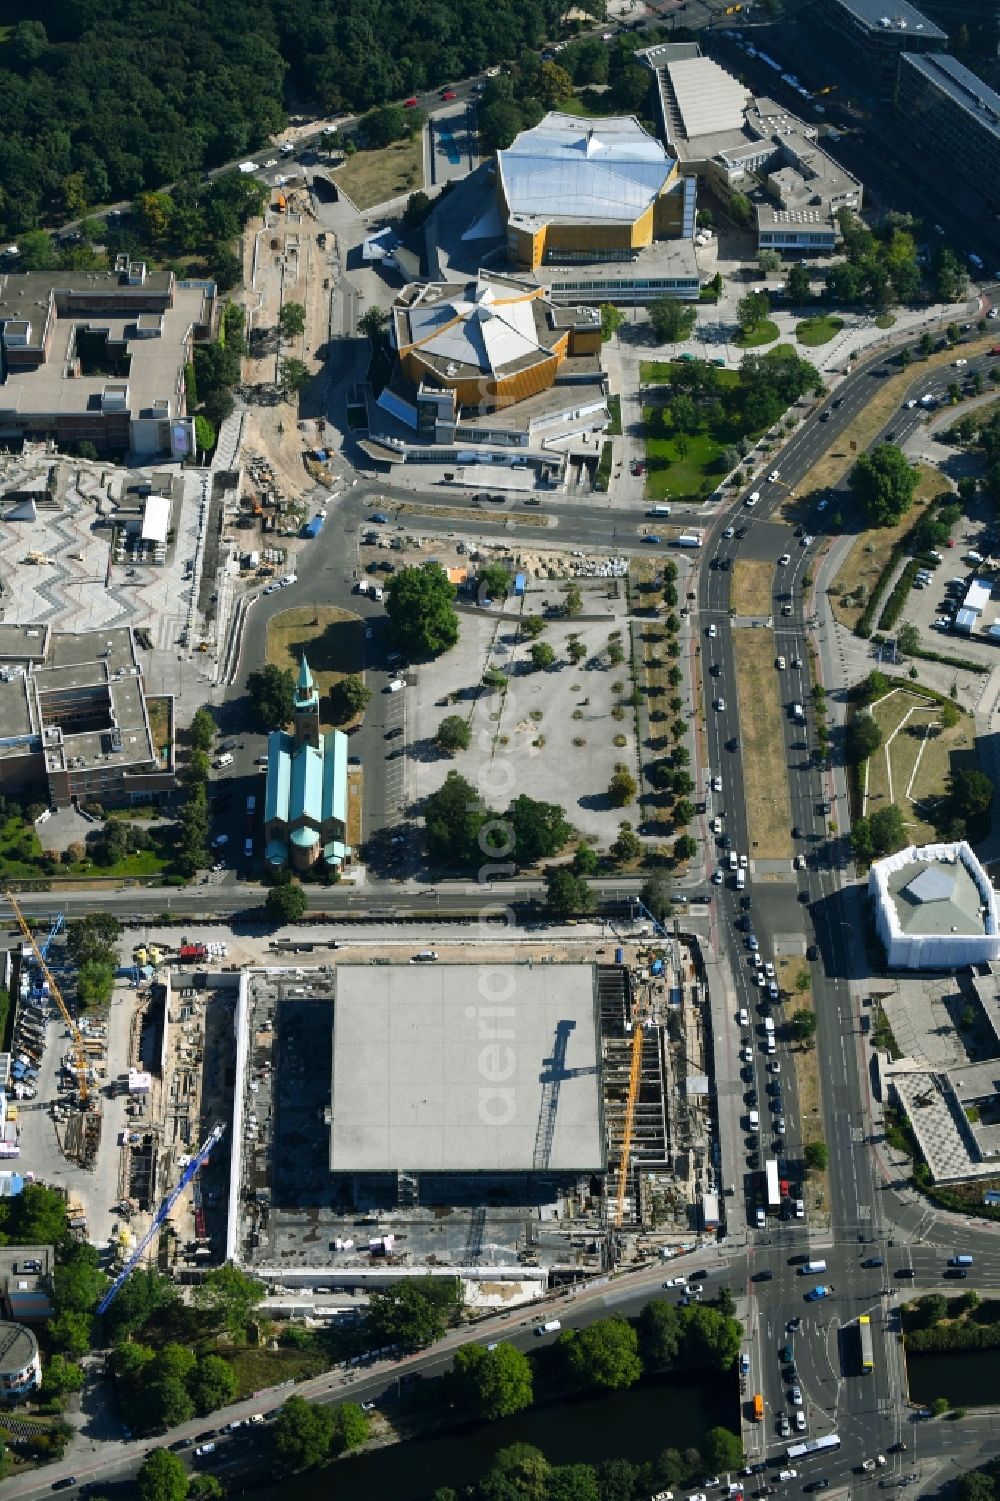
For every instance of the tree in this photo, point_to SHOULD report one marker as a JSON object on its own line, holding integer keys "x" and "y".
{"x": 816, "y": 1156}
{"x": 202, "y": 730}
{"x": 573, "y": 1482}
{"x": 349, "y": 697}
{"x": 542, "y": 656}
{"x": 373, "y": 322}
{"x": 408, "y": 1314}
{"x": 78, "y": 1283}
{"x": 798, "y": 287}
{"x": 768, "y": 261}
{"x": 721, "y": 1450}
{"x": 72, "y": 1332}
{"x": 204, "y": 434}
{"x": 60, "y": 1376}
{"x": 740, "y": 209}
{"x": 491, "y": 1384}
{"x": 453, "y": 734}
{"x": 213, "y": 1384}
{"x": 349, "y": 1428}
{"x": 573, "y": 600}
{"x": 292, "y": 320}
{"x": 604, "y": 1354}
{"x": 566, "y": 893}
{"x": 162, "y": 1477}
{"x": 660, "y": 1334}
{"x": 539, "y": 829}
{"x": 519, "y": 1472}
{"x": 493, "y": 581}
{"x": 612, "y": 319}
{"x": 655, "y": 895}
{"x": 751, "y": 310}
{"x": 421, "y": 610}
{"x": 627, "y": 847}
{"x": 454, "y": 817}
{"x": 804, "y": 1025}
{"x": 672, "y": 321}
{"x": 940, "y": 1406}
{"x": 863, "y": 739}
{"x": 683, "y": 812}
{"x": 302, "y": 1433}
{"x": 286, "y": 903}
{"x": 907, "y": 639}
{"x": 709, "y": 1339}
{"x": 226, "y": 1291}
{"x": 532, "y": 626}
{"x": 971, "y": 793}
{"x": 272, "y": 696}
{"x": 621, "y": 788}
{"x": 888, "y": 831}
{"x": 575, "y": 650}
{"x": 685, "y": 848}
{"x": 294, "y": 376}
{"x": 884, "y": 482}
{"x": 94, "y": 937}
{"x": 975, "y": 1486}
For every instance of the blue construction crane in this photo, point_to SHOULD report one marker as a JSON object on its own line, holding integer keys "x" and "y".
{"x": 55, "y": 929}
{"x": 194, "y": 1166}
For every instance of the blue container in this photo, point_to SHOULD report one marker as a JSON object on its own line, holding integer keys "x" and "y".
{"x": 619, "y": 956}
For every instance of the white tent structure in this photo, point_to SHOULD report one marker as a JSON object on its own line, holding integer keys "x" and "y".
{"x": 935, "y": 908}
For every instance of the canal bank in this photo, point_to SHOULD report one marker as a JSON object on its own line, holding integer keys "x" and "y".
{"x": 660, "y": 1412}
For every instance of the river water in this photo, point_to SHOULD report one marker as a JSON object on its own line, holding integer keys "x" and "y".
{"x": 659, "y": 1413}
{"x": 968, "y": 1378}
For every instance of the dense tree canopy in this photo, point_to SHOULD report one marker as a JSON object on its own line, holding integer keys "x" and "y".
{"x": 884, "y": 482}
{"x": 419, "y": 606}
{"x": 492, "y": 1384}
{"x": 106, "y": 98}
{"x": 604, "y": 1354}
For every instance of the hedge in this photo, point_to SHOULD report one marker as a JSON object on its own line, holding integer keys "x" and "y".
{"x": 603, "y": 477}
{"x": 896, "y": 602}
{"x": 955, "y": 1336}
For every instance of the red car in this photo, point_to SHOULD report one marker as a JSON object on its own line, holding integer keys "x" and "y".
{"x": 410, "y": 103}
{"x": 448, "y": 94}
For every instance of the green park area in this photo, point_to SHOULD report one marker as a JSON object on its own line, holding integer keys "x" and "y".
{"x": 818, "y": 330}
{"x": 758, "y": 334}
{"x": 700, "y": 421}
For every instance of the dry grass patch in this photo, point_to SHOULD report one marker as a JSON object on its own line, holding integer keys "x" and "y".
{"x": 752, "y": 587}
{"x": 460, "y": 513}
{"x": 332, "y": 639}
{"x": 912, "y": 765}
{"x": 355, "y": 784}
{"x": 371, "y": 177}
{"x": 868, "y": 557}
{"x": 765, "y": 777}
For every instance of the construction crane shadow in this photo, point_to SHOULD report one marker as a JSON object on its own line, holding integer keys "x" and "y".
{"x": 553, "y": 1073}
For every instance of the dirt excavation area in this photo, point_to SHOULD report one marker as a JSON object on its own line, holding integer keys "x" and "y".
{"x": 286, "y": 260}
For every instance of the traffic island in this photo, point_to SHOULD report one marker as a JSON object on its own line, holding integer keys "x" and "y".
{"x": 765, "y": 775}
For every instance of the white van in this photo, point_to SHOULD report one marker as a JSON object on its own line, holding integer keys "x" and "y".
{"x": 755, "y": 1120}
{"x": 734, "y": 860}
{"x": 741, "y": 879}
{"x": 549, "y": 1327}
{"x": 812, "y": 1267}
{"x": 226, "y": 759}
{"x": 396, "y": 686}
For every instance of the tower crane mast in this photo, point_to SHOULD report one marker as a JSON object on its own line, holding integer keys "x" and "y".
{"x": 79, "y": 1052}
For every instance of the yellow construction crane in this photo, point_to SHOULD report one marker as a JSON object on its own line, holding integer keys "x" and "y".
{"x": 79, "y": 1051}
{"x": 635, "y": 1073}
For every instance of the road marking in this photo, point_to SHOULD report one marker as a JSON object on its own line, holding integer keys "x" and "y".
{"x": 857, "y": 1133}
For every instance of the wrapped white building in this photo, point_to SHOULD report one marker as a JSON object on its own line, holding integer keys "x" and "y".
{"x": 935, "y": 908}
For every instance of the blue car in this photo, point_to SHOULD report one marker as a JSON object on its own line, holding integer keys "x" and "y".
{"x": 650, "y": 537}
{"x": 378, "y": 518}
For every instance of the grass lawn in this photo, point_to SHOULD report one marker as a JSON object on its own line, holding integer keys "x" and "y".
{"x": 574, "y": 105}
{"x": 256, "y": 1369}
{"x": 670, "y": 473}
{"x": 818, "y": 330}
{"x": 764, "y": 332}
{"x": 885, "y": 320}
{"x": 661, "y": 371}
{"x": 21, "y": 850}
{"x": 765, "y": 776}
{"x": 868, "y": 557}
{"x": 912, "y": 765}
{"x": 332, "y": 639}
{"x": 371, "y": 177}
{"x": 615, "y": 410}
{"x": 752, "y": 587}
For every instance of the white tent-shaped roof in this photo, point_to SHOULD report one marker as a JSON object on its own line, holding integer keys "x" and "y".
{"x": 567, "y": 169}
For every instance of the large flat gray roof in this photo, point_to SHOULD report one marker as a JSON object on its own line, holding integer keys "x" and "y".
{"x": 447, "y": 1068}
